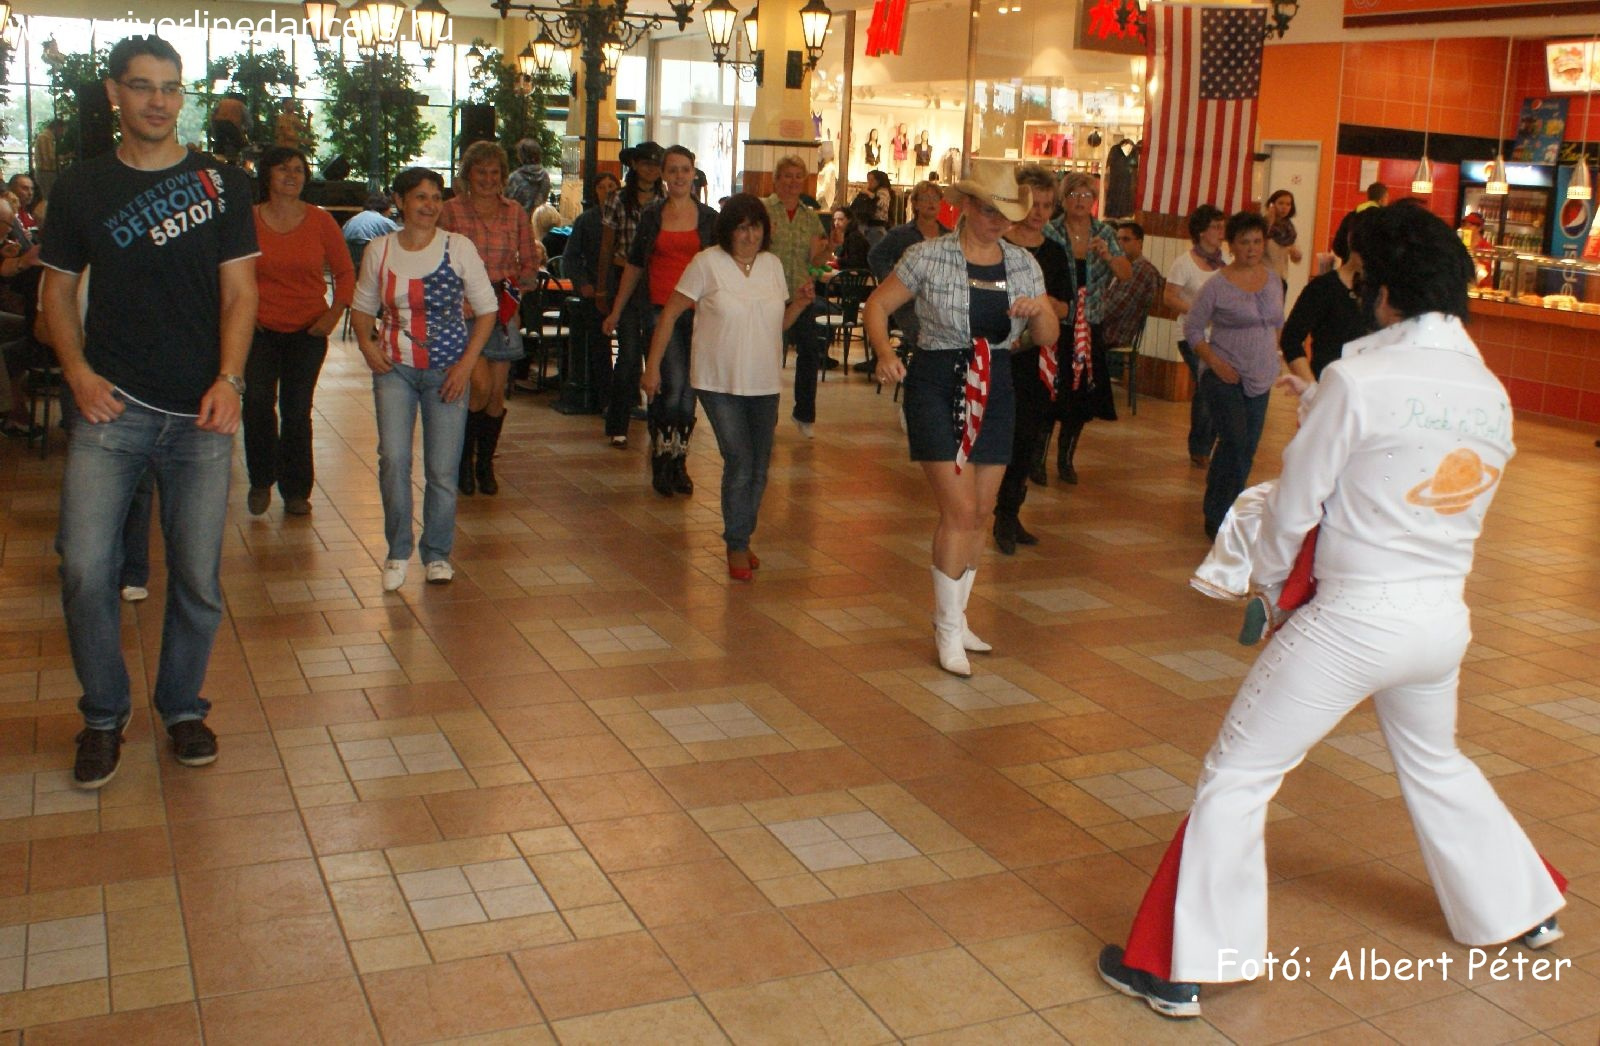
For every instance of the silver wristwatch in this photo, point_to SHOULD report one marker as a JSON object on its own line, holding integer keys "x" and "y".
{"x": 234, "y": 380}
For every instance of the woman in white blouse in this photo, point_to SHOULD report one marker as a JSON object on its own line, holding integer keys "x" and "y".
{"x": 738, "y": 291}
{"x": 421, "y": 361}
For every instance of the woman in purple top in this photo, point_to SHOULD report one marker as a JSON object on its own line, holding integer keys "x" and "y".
{"x": 1233, "y": 328}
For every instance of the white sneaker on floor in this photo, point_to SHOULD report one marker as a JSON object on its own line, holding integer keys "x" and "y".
{"x": 804, "y": 428}
{"x": 440, "y": 572}
{"x": 394, "y": 574}
{"x": 135, "y": 593}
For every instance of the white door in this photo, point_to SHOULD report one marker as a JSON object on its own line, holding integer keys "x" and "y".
{"x": 1294, "y": 166}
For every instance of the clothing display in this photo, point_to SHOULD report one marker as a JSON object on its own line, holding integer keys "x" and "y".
{"x": 924, "y": 150}
{"x": 1122, "y": 174}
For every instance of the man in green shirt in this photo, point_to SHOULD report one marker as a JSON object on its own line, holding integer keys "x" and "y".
{"x": 800, "y": 240}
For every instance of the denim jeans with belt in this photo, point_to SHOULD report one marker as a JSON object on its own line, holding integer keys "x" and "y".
{"x": 105, "y": 463}
{"x": 280, "y": 378}
{"x": 1238, "y": 418}
{"x": 743, "y": 426}
{"x": 400, "y": 394}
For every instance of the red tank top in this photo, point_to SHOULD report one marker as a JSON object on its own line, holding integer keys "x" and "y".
{"x": 672, "y": 254}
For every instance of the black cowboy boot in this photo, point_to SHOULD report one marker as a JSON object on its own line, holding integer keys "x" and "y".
{"x": 488, "y": 440}
{"x": 466, "y": 480}
{"x": 1070, "y": 431}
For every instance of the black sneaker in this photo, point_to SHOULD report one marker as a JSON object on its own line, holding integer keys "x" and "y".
{"x": 1168, "y": 998}
{"x": 1543, "y": 935}
{"x": 193, "y": 742}
{"x": 99, "y": 755}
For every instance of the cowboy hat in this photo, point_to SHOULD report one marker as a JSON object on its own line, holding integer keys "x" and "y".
{"x": 994, "y": 185}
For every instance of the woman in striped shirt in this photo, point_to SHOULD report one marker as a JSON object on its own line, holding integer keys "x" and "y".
{"x": 421, "y": 355}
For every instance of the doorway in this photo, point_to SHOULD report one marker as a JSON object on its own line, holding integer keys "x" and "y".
{"x": 1296, "y": 166}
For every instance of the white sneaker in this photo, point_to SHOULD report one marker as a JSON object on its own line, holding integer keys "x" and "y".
{"x": 394, "y": 574}
{"x": 804, "y": 427}
{"x": 440, "y": 572}
{"x": 135, "y": 593}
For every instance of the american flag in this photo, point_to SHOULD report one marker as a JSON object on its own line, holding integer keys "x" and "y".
{"x": 1200, "y": 118}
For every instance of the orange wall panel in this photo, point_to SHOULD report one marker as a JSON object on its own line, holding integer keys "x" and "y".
{"x": 1300, "y": 102}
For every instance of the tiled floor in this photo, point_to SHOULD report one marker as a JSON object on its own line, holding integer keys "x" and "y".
{"x": 594, "y": 792}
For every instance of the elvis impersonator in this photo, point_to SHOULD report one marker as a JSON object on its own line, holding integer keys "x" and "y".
{"x": 1397, "y": 460}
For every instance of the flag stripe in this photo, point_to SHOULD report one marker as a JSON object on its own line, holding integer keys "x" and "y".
{"x": 1200, "y": 124}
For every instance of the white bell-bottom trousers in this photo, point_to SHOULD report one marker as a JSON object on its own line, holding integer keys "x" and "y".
{"x": 1401, "y": 643}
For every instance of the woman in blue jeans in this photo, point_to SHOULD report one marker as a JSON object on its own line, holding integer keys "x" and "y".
{"x": 738, "y": 291}
{"x": 1233, "y": 329}
{"x": 421, "y": 354}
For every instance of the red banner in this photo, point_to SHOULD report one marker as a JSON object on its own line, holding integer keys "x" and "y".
{"x": 886, "y": 31}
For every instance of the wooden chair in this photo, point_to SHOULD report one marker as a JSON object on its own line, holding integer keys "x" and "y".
{"x": 1124, "y": 359}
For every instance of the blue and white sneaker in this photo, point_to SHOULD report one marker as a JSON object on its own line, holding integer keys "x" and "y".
{"x": 1168, "y": 998}
{"x": 1543, "y": 935}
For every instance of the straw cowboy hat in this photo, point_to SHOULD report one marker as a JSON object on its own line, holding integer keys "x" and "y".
{"x": 994, "y": 185}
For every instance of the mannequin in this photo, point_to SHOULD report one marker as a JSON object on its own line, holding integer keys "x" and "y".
{"x": 900, "y": 144}
{"x": 923, "y": 154}
{"x": 873, "y": 150}
{"x": 1122, "y": 173}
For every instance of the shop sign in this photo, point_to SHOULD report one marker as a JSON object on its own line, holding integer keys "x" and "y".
{"x": 1572, "y": 66}
{"x": 1540, "y": 130}
{"x": 1400, "y": 12}
{"x": 886, "y": 31}
{"x": 1110, "y": 25}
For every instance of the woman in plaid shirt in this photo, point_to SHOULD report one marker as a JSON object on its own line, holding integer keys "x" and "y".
{"x": 498, "y": 227}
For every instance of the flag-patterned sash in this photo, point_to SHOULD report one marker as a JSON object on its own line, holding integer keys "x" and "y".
{"x": 1049, "y": 368}
{"x": 1081, "y": 342}
{"x": 971, "y": 398}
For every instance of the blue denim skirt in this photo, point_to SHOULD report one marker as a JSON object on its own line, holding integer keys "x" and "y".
{"x": 504, "y": 344}
{"x": 932, "y": 384}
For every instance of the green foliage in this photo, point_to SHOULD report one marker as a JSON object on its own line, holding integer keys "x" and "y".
{"x": 265, "y": 80}
{"x": 518, "y": 111}
{"x": 401, "y": 128}
{"x": 66, "y": 76}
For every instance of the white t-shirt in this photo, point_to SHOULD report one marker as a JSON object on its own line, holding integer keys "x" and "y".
{"x": 1186, "y": 273}
{"x": 738, "y": 323}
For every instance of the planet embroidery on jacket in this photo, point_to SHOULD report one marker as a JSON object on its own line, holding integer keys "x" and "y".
{"x": 1459, "y": 480}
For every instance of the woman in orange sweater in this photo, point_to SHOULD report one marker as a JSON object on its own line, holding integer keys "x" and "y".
{"x": 298, "y": 242}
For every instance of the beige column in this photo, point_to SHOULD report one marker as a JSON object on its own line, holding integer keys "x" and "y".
{"x": 780, "y": 124}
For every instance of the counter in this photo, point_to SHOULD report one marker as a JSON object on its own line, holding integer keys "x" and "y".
{"x": 1549, "y": 359}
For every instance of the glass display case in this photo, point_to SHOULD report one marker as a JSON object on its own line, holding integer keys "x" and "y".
{"x": 1537, "y": 281}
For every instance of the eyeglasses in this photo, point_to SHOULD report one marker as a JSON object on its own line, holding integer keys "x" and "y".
{"x": 1080, "y": 195}
{"x": 146, "y": 89}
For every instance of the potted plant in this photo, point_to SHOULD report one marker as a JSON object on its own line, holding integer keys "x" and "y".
{"x": 383, "y": 80}
{"x": 520, "y": 109}
{"x": 266, "y": 82}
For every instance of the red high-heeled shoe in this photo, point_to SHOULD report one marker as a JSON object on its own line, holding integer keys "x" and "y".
{"x": 738, "y": 573}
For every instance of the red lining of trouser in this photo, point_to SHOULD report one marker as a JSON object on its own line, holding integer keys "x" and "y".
{"x": 1150, "y": 940}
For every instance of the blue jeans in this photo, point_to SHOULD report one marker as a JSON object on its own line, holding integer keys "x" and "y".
{"x": 399, "y": 395}
{"x": 105, "y": 464}
{"x": 1202, "y": 432}
{"x": 1238, "y": 418}
{"x": 672, "y": 407}
{"x": 136, "y": 534}
{"x": 808, "y": 349}
{"x": 743, "y": 426}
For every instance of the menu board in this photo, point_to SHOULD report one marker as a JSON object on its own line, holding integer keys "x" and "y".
{"x": 1573, "y": 66}
{"x": 1540, "y": 128}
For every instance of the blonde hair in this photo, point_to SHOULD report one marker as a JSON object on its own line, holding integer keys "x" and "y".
{"x": 1077, "y": 180}
{"x": 483, "y": 152}
{"x": 786, "y": 162}
{"x": 545, "y": 218}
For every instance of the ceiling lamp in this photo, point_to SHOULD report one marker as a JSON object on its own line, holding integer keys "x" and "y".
{"x": 386, "y": 16}
{"x": 427, "y": 24}
{"x": 814, "y": 19}
{"x": 320, "y": 16}
{"x": 1495, "y": 182}
{"x": 366, "y": 28}
{"x": 1422, "y": 181}
{"x": 1582, "y": 187}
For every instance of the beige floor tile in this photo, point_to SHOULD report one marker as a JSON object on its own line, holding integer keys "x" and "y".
{"x": 682, "y": 1022}
{"x": 935, "y": 991}
{"x": 799, "y": 1010}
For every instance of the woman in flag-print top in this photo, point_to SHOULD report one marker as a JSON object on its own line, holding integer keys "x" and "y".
{"x": 421, "y": 352}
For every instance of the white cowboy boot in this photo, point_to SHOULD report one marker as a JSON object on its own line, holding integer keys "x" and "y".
{"x": 968, "y": 640}
{"x": 948, "y": 602}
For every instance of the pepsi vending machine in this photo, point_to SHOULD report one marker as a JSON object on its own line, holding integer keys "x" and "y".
{"x": 1573, "y": 218}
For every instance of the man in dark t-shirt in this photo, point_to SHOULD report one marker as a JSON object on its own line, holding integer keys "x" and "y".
{"x": 155, "y": 371}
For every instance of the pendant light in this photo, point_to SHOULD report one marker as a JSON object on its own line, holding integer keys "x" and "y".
{"x": 1495, "y": 182}
{"x": 1581, "y": 187}
{"x": 1422, "y": 181}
